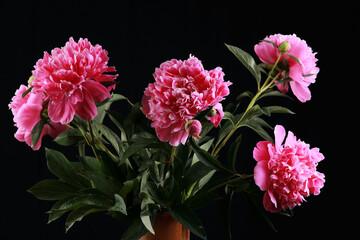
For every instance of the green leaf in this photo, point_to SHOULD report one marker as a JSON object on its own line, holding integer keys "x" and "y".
{"x": 118, "y": 119}
{"x": 271, "y": 42}
{"x": 230, "y": 117}
{"x": 247, "y": 60}
{"x": 51, "y": 189}
{"x": 145, "y": 218}
{"x": 69, "y": 137}
{"x": 260, "y": 212}
{"x": 78, "y": 214}
{"x": 206, "y": 157}
{"x": 232, "y": 156}
{"x": 273, "y": 93}
{"x": 36, "y": 131}
{"x": 199, "y": 116}
{"x": 64, "y": 169}
{"x": 29, "y": 89}
{"x": 54, "y": 213}
{"x": 98, "y": 200}
{"x": 257, "y": 127}
{"x": 186, "y": 217}
{"x": 140, "y": 142}
{"x": 135, "y": 231}
{"x": 227, "y": 211}
{"x": 201, "y": 199}
{"x": 103, "y": 183}
{"x": 295, "y": 58}
{"x": 197, "y": 171}
{"x": 277, "y": 109}
{"x": 110, "y": 135}
{"x": 244, "y": 95}
{"x": 90, "y": 164}
{"x": 119, "y": 206}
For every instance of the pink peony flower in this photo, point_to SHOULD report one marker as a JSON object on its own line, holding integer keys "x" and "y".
{"x": 27, "y": 113}
{"x": 71, "y": 79}
{"x": 193, "y": 128}
{"x": 181, "y": 90}
{"x": 286, "y": 172}
{"x": 303, "y": 75}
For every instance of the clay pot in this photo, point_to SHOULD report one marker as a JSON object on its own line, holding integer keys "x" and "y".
{"x": 167, "y": 228}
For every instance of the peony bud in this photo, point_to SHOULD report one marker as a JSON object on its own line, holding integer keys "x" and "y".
{"x": 284, "y": 47}
{"x": 212, "y": 112}
{"x": 193, "y": 128}
{"x": 31, "y": 79}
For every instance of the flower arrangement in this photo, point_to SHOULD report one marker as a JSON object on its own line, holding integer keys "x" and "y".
{"x": 167, "y": 155}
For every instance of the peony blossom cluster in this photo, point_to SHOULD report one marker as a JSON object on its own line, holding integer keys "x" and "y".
{"x": 287, "y": 172}
{"x": 181, "y": 90}
{"x": 27, "y": 113}
{"x": 71, "y": 78}
{"x": 64, "y": 83}
{"x": 302, "y": 74}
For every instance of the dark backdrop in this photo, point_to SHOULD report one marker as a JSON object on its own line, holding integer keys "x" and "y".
{"x": 141, "y": 35}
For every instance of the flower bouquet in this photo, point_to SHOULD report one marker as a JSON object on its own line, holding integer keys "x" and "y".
{"x": 177, "y": 149}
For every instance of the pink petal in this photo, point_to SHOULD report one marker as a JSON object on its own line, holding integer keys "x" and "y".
{"x": 270, "y": 202}
{"x": 28, "y": 115}
{"x": 279, "y": 136}
{"x": 218, "y": 116}
{"x": 98, "y": 91}
{"x": 60, "y": 110}
{"x": 87, "y": 108}
{"x": 290, "y": 139}
{"x": 301, "y": 91}
{"x": 262, "y": 175}
{"x": 260, "y": 152}
{"x": 176, "y": 138}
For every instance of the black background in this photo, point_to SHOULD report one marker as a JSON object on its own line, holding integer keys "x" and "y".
{"x": 139, "y": 36}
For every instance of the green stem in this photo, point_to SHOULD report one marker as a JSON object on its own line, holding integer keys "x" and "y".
{"x": 241, "y": 177}
{"x": 92, "y": 142}
{"x": 263, "y": 88}
{"x": 100, "y": 143}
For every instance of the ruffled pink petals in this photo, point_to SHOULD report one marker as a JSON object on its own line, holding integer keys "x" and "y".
{"x": 303, "y": 75}
{"x": 27, "y": 112}
{"x": 71, "y": 77}
{"x": 181, "y": 90}
{"x": 286, "y": 172}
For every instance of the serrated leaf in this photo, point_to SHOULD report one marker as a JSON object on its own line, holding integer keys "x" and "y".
{"x": 247, "y": 60}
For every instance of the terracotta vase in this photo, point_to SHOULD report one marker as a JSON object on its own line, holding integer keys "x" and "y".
{"x": 167, "y": 228}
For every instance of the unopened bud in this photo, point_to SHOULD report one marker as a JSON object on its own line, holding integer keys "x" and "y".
{"x": 193, "y": 128}
{"x": 284, "y": 47}
{"x": 212, "y": 112}
{"x": 31, "y": 79}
